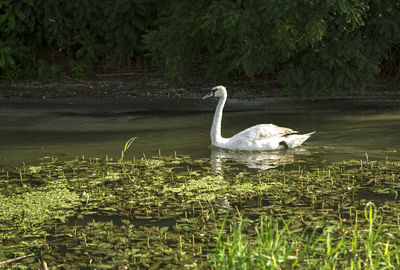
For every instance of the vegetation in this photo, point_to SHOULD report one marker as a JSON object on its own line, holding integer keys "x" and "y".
{"x": 312, "y": 47}
{"x": 41, "y": 37}
{"x": 172, "y": 211}
{"x": 279, "y": 247}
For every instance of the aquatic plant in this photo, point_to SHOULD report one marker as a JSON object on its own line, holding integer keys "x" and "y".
{"x": 126, "y": 147}
{"x": 167, "y": 211}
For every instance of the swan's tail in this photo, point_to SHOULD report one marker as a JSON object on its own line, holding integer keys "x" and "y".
{"x": 295, "y": 140}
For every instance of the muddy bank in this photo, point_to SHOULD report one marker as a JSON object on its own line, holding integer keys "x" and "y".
{"x": 111, "y": 105}
{"x": 138, "y": 92}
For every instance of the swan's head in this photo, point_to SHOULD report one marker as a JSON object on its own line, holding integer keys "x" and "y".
{"x": 217, "y": 91}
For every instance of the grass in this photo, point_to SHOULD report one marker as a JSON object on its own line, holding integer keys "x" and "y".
{"x": 276, "y": 246}
{"x": 126, "y": 147}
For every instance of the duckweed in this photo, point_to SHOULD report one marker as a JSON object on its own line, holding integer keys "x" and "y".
{"x": 168, "y": 211}
{"x": 37, "y": 206}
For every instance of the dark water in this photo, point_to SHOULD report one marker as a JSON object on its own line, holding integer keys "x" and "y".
{"x": 27, "y": 135}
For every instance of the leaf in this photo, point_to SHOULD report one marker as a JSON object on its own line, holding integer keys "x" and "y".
{"x": 3, "y": 18}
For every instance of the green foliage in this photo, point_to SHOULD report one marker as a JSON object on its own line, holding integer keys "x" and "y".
{"x": 173, "y": 47}
{"x": 315, "y": 47}
{"x": 62, "y": 31}
{"x": 126, "y": 147}
{"x": 17, "y": 37}
{"x": 78, "y": 70}
{"x": 280, "y": 247}
{"x": 47, "y": 71}
{"x": 312, "y": 47}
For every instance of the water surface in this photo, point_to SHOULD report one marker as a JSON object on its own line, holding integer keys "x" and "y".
{"x": 27, "y": 135}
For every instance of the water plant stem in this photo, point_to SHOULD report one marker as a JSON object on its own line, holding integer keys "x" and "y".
{"x": 17, "y": 258}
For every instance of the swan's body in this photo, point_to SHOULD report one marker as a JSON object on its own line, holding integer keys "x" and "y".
{"x": 255, "y": 138}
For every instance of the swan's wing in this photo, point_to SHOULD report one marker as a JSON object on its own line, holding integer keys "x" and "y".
{"x": 263, "y": 131}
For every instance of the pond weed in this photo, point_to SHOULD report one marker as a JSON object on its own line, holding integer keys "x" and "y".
{"x": 165, "y": 211}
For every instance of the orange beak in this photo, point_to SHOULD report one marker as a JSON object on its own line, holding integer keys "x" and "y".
{"x": 209, "y": 95}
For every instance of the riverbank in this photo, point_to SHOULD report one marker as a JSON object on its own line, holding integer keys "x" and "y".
{"x": 139, "y": 92}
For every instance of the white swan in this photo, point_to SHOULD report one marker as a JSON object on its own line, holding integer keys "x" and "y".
{"x": 256, "y": 138}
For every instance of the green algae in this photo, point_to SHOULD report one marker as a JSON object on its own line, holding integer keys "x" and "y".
{"x": 202, "y": 189}
{"x": 37, "y": 206}
{"x": 165, "y": 212}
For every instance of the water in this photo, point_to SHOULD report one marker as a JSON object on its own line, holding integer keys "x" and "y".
{"x": 26, "y": 135}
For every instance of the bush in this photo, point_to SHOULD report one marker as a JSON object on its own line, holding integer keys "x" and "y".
{"x": 312, "y": 47}
{"x": 69, "y": 31}
{"x": 18, "y": 37}
{"x": 315, "y": 47}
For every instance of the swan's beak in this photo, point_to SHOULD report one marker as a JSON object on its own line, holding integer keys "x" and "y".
{"x": 209, "y": 95}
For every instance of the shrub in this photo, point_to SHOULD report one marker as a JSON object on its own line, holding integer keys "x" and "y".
{"x": 59, "y": 30}
{"x": 315, "y": 47}
{"x": 312, "y": 47}
{"x": 18, "y": 37}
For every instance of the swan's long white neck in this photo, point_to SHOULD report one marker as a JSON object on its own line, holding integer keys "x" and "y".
{"x": 216, "y": 126}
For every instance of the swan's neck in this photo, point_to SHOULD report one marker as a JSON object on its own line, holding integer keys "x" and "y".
{"x": 216, "y": 126}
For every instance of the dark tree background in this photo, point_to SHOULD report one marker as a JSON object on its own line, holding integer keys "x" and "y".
{"x": 312, "y": 47}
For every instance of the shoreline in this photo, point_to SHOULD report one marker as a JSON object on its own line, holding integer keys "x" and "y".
{"x": 127, "y": 94}
{"x": 110, "y": 105}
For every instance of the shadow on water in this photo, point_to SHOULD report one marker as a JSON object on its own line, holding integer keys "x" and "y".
{"x": 369, "y": 195}
{"x": 119, "y": 220}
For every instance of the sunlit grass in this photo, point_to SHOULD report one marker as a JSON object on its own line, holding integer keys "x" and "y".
{"x": 126, "y": 147}
{"x": 372, "y": 245}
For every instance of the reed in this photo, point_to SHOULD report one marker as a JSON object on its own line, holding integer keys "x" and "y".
{"x": 126, "y": 147}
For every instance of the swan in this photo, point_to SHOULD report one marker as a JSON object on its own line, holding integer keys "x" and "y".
{"x": 256, "y": 138}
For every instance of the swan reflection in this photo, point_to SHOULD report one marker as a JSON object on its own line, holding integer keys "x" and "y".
{"x": 255, "y": 160}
